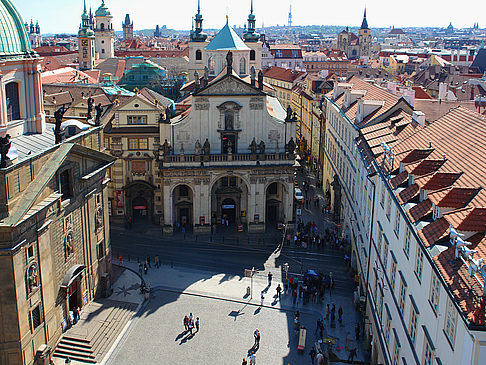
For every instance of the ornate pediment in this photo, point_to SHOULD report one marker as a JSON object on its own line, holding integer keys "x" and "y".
{"x": 229, "y": 86}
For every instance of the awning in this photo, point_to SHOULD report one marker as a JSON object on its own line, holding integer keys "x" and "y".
{"x": 71, "y": 275}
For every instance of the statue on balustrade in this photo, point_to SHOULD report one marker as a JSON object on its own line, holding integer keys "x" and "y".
{"x": 207, "y": 147}
{"x": 253, "y": 146}
{"x": 166, "y": 148}
{"x": 291, "y": 147}
{"x": 197, "y": 148}
{"x": 261, "y": 146}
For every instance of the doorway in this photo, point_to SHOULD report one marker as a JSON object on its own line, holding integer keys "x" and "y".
{"x": 228, "y": 210}
{"x": 139, "y": 209}
{"x": 73, "y": 295}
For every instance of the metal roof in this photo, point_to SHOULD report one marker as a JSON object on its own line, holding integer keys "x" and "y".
{"x": 227, "y": 40}
{"x": 14, "y": 40}
{"x": 31, "y": 144}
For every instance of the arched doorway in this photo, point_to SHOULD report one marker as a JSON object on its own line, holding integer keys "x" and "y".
{"x": 182, "y": 200}
{"x": 275, "y": 203}
{"x": 139, "y": 196}
{"x": 139, "y": 209}
{"x": 229, "y": 200}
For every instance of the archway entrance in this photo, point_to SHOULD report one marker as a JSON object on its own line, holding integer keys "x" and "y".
{"x": 275, "y": 203}
{"x": 228, "y": 210}
{"x": 182, "y": 200}
{"x": 139, "y": 209}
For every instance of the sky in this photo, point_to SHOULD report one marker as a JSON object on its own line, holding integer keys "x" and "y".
{"x": 64, "y": 16}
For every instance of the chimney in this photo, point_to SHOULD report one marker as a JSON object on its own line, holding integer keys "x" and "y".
{"x": 418, "y": 117}
{"x": 443, "y": 88}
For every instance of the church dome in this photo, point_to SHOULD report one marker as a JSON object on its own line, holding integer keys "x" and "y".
{"x": 102, "y": 10}
{"x": 14, "y": 41}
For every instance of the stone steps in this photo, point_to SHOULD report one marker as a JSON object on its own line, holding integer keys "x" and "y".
{"x": 95, "y": 347}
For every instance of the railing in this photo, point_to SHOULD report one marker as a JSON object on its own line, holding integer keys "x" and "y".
{"x": 227, "y": 157}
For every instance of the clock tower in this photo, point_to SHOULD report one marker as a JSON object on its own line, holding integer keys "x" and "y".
{"x": 86, "y": 43}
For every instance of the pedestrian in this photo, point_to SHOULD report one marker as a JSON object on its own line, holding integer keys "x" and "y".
{"x": 327, "y": 312}
{"x": 312, "y": 354}
{"x": 261, "y": 298}
{"x": 148, "y": 262}
{"x": 191, "y": 325}
{"x": 140, "y": 268}
{"x": 145, "y": 268}
{"x": 156, "y": 262}
{"x": 252, "y": 359}
{"x": 340, "y": 314}
{"x": 296, "y": 325}
{"x": 320, "y": 358}
{"x": 352, "y": 354}
{"x": 256, "y": 334}
{"x": 294, "y": 294}
{"x": 244, "y": 362}
{"x": 318, "y": 325}
{"x": 333, "y": 313}
{"x": 279, "y": 291}
{"x": 270, "y": 278}
{"x": 120, "y": 260}
{"x": 321, "y": 330}
{"x": 186, "y": 323}
{"x": 357, "y": 331}
{"x": 191, "y": 317}
{"x": 75, "y": 315}
{"x": 197, "y": 324}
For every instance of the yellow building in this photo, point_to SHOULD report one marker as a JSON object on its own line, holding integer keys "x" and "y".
{"x": 283, "y": 80}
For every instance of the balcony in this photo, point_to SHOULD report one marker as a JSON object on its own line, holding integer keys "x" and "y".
{"x": 220, "y": 160}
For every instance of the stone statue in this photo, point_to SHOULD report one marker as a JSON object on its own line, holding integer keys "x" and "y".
{"x": 182, "y": 149}
{"x": 58, "y": 115}
{"x": 166, "y": 148}
{"x": 229, "y": 63}
{"x": 260, "y": 80}
{"x": 261, "y": 146}
{"x": 33, "y": 277}
{"x": 253, "y": 146}
{"x": 168, "y": 113}
{"x": 90, "y": 108}
{"x": 4, "y": 148}
{"x": 291, "y": 146}
{"x": 197, "y": 82}
{"x": 206, "y": 75}
{"x": 207, "y": 147}
{"x": 99, "y": 111}
{"x": 288, "y": 118}
{"x": 252, "y": 75}
{"x": 197, "y": 148}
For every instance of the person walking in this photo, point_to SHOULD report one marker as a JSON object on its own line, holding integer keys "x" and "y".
{"x": 312, "y": 354}
{"x": 327, "y": 312}
{"x": 270, "y": 278}
{"x": 140, "y": 268}
{"x": 191, "y": 325}
{"x": 186, "y": 323}
{"x": 256, "y": 334}
{"x": 320, "y": 358}
{"x": 261, "y": 299}
{"x": 145, "y": 268}
{"x": 244, "y": 362}
{"x": 333, "y": 314}
{"x": 279, "y": 291}
{"x": 156, "y": 261}
{"x": 197, "y": 324}
{"x": 252, "y": 359}
{"x": 340, "y": 314}
{"x": 148, "y": 262}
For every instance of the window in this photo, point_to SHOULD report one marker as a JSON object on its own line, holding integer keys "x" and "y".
{"x": 35, "y": 319}
{"x": 211, "y": 65}
{"x": 412, "y": 328}
{"x": 252, "y": 55}
{"x": 428, "y": 352}
{"x": 434, "y": 293}
{"x": 385, "y": 254}
{"x": 228, "y": 181}
{"x": 419, "y": 260}
{"x": 137, "y": 143}
{"x": 380, "y": 239}
{"x": 136, "y": 119}
{"x": 397, "y": 222}
{"x": 380, "y": 303}
{"x": 65, "y": 184}
{"x": 198, "y": 55}
{"x": 279, "y": 53}
{"x": 100, "y": 249}
{"x": 13, "y": 101}
{"x": 393, "y": 273}
{"x": 30, "y": 252}
{"x": 450, "y": 322}
{"x": 386, "y": 330}
{"x": 406, "y": 245}
{"x": 102, "y": 50}
{"x": 388, "y": 207}
{"x": 403, "y": 292}
{"x": 396, "y": 350}
{"x": 183, "y": 190}
{"x": 272, "y": 189}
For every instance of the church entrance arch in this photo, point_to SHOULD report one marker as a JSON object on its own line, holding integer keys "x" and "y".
{"x": 275, "y": 203}
{"x": 182, "y": 200}
{"x": 140, "y": 199}
{"x": 229, "y": 200}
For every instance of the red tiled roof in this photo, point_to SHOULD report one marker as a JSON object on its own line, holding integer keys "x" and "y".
{"x": 408, "y": 193}
{"x": 454, "y": 197}
{"x": 468, "y": 220}
{"x": 416, "y": 155}
{"x": 399, "y": 179}
{"x": 426, "y": 167}
{"x": 441, "y": 180}
{"x": 282, "y": 74}
{"x": 419, "y": 211}
{"x": 434, "y": 231}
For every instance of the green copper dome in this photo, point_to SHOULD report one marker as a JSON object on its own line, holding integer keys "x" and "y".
{"x": 14, "y": 41}
{"x": 102, "y": 10}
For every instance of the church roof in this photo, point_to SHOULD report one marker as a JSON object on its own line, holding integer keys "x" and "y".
{"x": 14, "y": 40}
{"x": 364, "y": 24}
{"x": 227, "y": 40}
{"x": 102, "y": 10}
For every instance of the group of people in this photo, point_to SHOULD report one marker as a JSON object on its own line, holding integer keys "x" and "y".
{"x": 143, "y": 268}
{"x": 190, "y": 323}
{"x": 306, "y": 236}
{"x": 253, "y": 350}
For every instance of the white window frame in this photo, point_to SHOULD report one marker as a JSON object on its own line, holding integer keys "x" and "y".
{"x": 419, "y": 263}
{"x": 450, "y": 322}
{"x": 434, "y": 293}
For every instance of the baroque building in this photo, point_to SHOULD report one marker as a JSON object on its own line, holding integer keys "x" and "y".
{"x": 86, "y": 43}
{"x": 228, "y": 154}
{"x": 104, "y": 33}
{"x": 54, "y": 230}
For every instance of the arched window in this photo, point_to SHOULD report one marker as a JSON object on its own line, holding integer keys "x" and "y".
{"x": 198, "y": 55}
{"x": 102, "y": 26}
{"x": 13, "y": 102}
{"x": 229, "y": 120}
{"x": 211, "y": 65}
{"x": 242, "y": 66}
{"x": 252, "y": 55}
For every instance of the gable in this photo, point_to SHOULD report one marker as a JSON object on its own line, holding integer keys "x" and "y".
{"x": 142, "y": 105}
{"x": 229, "y": 85}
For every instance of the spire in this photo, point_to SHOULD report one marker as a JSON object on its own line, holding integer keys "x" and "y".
{"x": 364, "y": 24}
{"x": 198, "y": 7}
{"x": 84, "y": 11}
{"x": 251, "y": 7}
{"x": 197, "y": 34}
{"x": 250, "y": 34}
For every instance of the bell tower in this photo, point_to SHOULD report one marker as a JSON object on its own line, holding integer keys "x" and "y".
{"x": 104, "y": 32}
{"x": 197, "y": 43}
{"x": 86, "y": 43}
{"x": 364, "y": 38}
{"x": 252, "y": 40}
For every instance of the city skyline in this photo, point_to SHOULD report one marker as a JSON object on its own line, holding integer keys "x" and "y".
{"x": 266, "y": 13}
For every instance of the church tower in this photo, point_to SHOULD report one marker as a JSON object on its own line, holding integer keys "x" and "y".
{"x": 364, "y": 38}
{"x": 104, "y": 33}
{"x": 252, "y": 40}
{"x": 197, "y": 43}
{"x": 86, "y": 43}
{"x": 127, "y": 28}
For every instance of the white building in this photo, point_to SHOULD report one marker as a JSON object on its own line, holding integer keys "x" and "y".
{"x": 104, "y": 33}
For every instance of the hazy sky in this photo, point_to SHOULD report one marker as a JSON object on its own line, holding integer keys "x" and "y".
{"x": 57, "y": 16}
